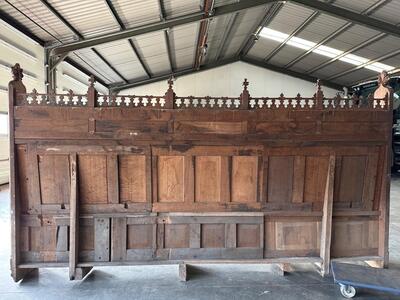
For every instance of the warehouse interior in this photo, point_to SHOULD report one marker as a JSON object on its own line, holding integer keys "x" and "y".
{"x": 202, "y": 48}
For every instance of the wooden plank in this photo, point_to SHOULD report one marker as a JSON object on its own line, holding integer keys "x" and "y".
{"x": 298, "y": 179}
{"x": 326, "y": 230}
{"x": 189, "y": 186}
{"x": 195, "y": 235}
{"x": 280, "y": 178}
{"x": 230, "y": 235}
{"x": 62, "y": 238}
{"x": 74, "y": 220}
{"x": 34, "y": 195}
{"x": 118, "y": 239}
{"x": 112, "y": 179}
{"x": 244, "y": 179}
{"x": 133, "y": 180}
{"x": 102, "y": 239}
{"x": 92, "y": 179}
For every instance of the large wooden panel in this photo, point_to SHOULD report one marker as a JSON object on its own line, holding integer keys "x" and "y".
{"x": 280, "y": 179}
{"x": 170, "y": 178}
{"x": 132, "y": 178}
{"x": 351, "y": 180}
{"x": 315, "y": 179}
{"x": 212, "y": 235}
{"x": 291, "y": 237}
{"x": 54, "y": 178}
{"x": 244, "y": 178}
{"x": 248, "y": 235}
{"x": 208, "y": 178}
{"x": 92, "y": 178}
{"x": 354, "y": 237}
{"x": 176, "y": 236}
{"x": 140, "y": 236}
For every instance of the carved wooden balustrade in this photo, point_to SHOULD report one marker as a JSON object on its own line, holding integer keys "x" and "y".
{"x": 134, "y": 179}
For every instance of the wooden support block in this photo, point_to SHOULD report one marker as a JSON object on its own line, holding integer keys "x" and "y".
{"x": 80, "y": 273}
{"x": 281, "y": 269}
{"x": 375, "y": 263}
{"x": 183, "y": 272}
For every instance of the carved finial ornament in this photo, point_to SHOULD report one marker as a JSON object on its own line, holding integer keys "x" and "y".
{"x": 92, "y": 80}
{"x": 383, "y": 78}
{"x": 171, "y": 81}
{"x": 17, "y": 72}
{"x": 245, "y": 84}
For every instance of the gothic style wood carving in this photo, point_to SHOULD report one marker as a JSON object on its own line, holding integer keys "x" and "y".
{"x": 126, "y": 179}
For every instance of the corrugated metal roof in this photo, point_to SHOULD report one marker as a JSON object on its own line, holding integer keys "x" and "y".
{"x": 93, "y": 17}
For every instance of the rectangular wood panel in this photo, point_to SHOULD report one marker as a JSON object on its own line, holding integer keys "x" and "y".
{"x": 315, "y": 179}
{"x": 208, "y": 179}
{"x": 351, "y": 180}
{"x": 54, "y": 179}
{"x": 140, "y": 236}
{"x": 92, "y": 178}
{"x": 244, "y": 178}
{"x": 280, "y": 179}
{"x": 212, "y": 235}
{"x": 176, "y": 236}
{"x": 132, "y": 178}
{"x": 170, "y": 178}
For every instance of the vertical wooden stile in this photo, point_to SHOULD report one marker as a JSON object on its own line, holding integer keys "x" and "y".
{"x": 326, "y": 230}
{"x": 15, "y": 87}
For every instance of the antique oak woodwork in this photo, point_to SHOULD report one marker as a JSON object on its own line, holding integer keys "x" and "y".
{"x": 128, "y": 179}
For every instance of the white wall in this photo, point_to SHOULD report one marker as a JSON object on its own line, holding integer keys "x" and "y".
{"x": 227, "y": 81}
{"x": 36, "y": 68}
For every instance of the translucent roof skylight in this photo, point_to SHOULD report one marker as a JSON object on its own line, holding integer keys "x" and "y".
{"x": 324, "y": 50}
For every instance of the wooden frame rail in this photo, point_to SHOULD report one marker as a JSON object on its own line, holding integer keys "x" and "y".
{"x": 125, "y": 179}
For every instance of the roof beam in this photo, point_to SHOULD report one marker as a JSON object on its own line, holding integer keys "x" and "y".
{"x": 203, "y": 34}
{"x": 12, "y": 22}
{"x": 298, "y": 30}
{"x": 351, "y": 16}
{"x": 368, "y": 11}
{"x": 121, "y": 24}
{"x": 292, "y": 73}
{"x": 18, "y": 26}
{"x": 227, "y": 33}
{"x": 355, "y": 48}
{"x": 157, "y": 26}
{"x": 270, "y": 13}
{"x": 79, "y": 35}
{"x": 386, "y": 56}
{"x": 178, "y": 73}
{"x": 163, "y": 17}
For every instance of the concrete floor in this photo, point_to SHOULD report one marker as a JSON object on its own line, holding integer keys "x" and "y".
{"x": 161, "y": 282}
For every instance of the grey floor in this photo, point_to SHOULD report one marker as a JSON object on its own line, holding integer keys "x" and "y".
{"x": 161, "y": 282}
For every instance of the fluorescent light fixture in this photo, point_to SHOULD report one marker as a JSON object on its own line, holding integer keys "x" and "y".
{"x": 73, "y": 79}
{"x": 297, "y": 42}
{"x": 18, "y": 50}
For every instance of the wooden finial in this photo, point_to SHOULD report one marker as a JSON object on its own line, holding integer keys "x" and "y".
{"x": 245, "y": 84}
{"x": 92, "y": 80}
{"x": 245, "y": 96}
{"x": 17, "y": 72}
{"x": 171, "y": 82}
{"x": 170, "y": 94}
{"x": 384, "y": 90}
